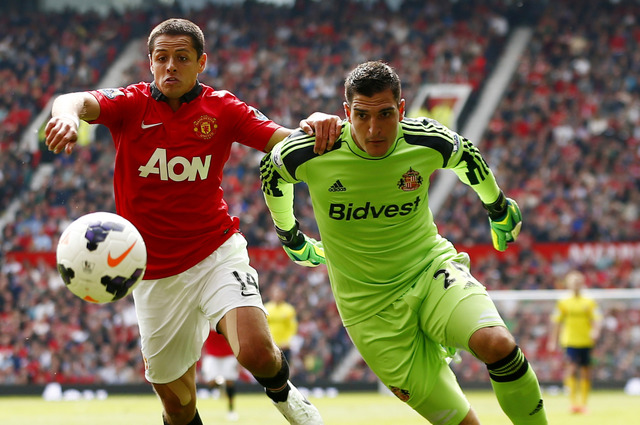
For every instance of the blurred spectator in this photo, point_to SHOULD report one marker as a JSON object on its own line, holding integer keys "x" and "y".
{"x": 219, "y": 368}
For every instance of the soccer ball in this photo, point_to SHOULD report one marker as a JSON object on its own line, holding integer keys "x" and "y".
{"x": 101, "y": 257}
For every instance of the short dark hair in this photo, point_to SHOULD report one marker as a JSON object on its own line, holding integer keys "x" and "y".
{"x": 177, "y": 26}
{"x": 370, "y": 78}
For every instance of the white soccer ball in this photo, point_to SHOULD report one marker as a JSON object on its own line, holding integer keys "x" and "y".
{"x": 101, "y": 257}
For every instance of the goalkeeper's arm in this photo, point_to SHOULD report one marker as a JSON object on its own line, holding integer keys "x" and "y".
{"x": 300, "y": 248}
{"x": 505, "y": 218}
{"x": 278, "y": 196}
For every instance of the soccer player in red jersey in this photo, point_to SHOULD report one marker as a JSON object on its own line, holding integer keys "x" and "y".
{"x": 219, "y": 368}
{"x": 172, "y": 139}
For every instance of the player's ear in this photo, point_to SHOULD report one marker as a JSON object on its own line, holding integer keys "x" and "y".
{"x": 150, "y": 64}
{"x": 202, "y": 62}
{"x": 401, "y": 107}
{"x": 347, "y": 111}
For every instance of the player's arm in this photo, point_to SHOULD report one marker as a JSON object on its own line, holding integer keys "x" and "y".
{"x": 290, "y": 328}
{"x": 277, "y": 187}
{"x": 552, "y": 341}
{"x": 596, "y": 323}
{"x": 505, "y": 220}
{"x": 61, "y": 132}
{"x": 293, "y": 323}
{"x": 325, "y": 127}
{"x": 504, "y": 214}
{"x": 555, "y": 324}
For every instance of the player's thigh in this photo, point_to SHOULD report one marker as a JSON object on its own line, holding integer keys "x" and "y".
{"x": 172, "y": 327}
{"x": 247, "y": 331}
{"x": 410, "y": 364}
{"x": 229, "y": 368}
{"x": 231, "y": 298}
{"x": 231, "y": 282}
{"x": 174, "y": 313}
{"x": 209, "y": 368}
{"x": 213, "y": 367}
{"x": 456, "y": 305}
{"x": 580, "y": 356}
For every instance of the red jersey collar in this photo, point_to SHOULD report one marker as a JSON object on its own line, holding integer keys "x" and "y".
{"x": 185, "y": 98}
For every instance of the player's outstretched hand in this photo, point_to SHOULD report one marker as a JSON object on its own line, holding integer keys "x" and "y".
{"x": 61, "y": 133}
{"x": 505, "y": 220}
{"x": 326, "y": 128}
{"x": 302, "y": 249}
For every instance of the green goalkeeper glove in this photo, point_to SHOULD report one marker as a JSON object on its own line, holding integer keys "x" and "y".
{"x": 505, "y": 220}
{"x": 302, "y": 249}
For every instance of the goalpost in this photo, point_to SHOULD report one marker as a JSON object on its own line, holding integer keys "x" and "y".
{"x": 556, "y": 294}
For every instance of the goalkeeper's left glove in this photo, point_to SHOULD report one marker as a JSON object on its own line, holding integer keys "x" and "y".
{"x": 302, "y": 249}
{"x": 505, "y": 220}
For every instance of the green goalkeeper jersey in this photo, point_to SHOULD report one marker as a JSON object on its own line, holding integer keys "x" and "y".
{"x": 373, "y": 212}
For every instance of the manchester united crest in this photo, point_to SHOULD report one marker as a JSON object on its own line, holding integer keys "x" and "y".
{"x": 205, "y": 126}
{"x": 411, "y": 180}
{"x": 400, "y": 393}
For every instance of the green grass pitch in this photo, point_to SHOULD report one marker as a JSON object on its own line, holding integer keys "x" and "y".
{"x": 605, "y": 408}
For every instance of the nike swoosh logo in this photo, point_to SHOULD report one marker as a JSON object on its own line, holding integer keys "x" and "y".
{"x": 145, "y": 126}
{"x": 113, "y": 262}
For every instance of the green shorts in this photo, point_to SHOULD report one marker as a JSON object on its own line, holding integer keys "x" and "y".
{"x": 403, "y": 344}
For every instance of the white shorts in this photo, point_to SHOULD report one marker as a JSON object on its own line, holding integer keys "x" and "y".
{"x": 176, "y": 313}
{"x": 214, "y": 367}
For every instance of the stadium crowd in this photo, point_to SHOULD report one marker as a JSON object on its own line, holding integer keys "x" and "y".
{"x": 566, "y": 137}
{"x": 564, "y": 143}
{"x": 33, "y": 69}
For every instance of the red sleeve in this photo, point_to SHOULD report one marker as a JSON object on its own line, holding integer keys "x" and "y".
{"x": 116, "y": 104}
{"x": 254, "y": 129}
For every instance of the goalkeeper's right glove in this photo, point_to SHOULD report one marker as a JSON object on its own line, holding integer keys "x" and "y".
{"x": 302, "y": 249}
{"x": 505, "y": 220}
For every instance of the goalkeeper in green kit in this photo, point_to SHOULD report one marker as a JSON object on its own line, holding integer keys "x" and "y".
{"x": 404, "y": 293}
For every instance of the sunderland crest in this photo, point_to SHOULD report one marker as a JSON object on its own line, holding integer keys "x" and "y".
{"x": 411, "y": 180}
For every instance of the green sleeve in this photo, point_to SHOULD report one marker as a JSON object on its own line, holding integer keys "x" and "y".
{"x": 472, "y": 170}
{"x": 278, "y": 194}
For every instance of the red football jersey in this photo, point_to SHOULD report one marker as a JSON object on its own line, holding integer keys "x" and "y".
{"x": 168, "y": 167}
{"x": 216, "y": 345}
